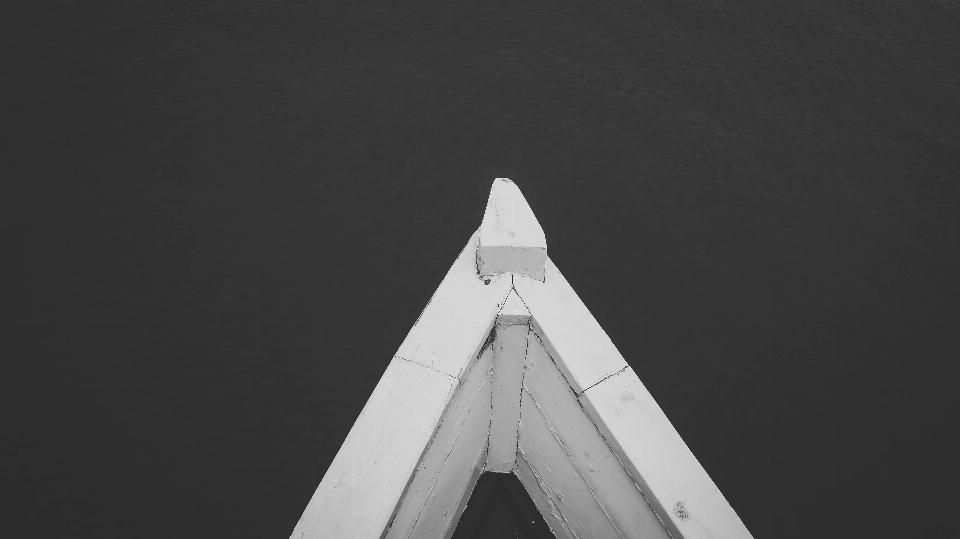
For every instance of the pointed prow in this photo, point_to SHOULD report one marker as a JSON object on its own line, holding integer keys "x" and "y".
{"x": 511, "y": 239}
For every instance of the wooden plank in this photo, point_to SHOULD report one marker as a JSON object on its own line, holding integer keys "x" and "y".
{"x": 589, "y": 453}
{"x": 511, "y": 239}
{"x": 379, "y": 455}
{"x": 590, "y": 441}
{"x": 659, "y": 461}
{"x": 473, "y": 509}
{"x": 432, "y": 496}
{"x": 510, "y": 347}
{"x": 470, "y": 481}
{"x": 568, "y": 329}
{"x": 538, "y": 493}
{"x": 558, "y": 477}
{"x": 527, "y": 508}
{"x": 458, "y": 318}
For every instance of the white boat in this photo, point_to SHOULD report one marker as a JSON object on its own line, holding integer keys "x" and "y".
{"x": 506, "y": 371}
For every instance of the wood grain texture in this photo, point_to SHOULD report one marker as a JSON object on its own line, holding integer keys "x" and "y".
{"x": 538, "y": 492}
{"x": 587, "y": 450}
{"x": 510, "y": 348}
{"x": 571, "y": 499}
{"x": 431, "y": 500}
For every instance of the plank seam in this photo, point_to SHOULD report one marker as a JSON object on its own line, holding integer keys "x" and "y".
{"x": 554, "y": 510}
{"x": 473, "y": 403}
{"x": 626, "y": 469}
{"x": 598, "y": 381}
{"x": 523, "y": 376}
{"x": 473, "y": 363}
{"x": 481, "y": 456}
{"x": 427, "y": 367}
{"x": 566, "y": 452}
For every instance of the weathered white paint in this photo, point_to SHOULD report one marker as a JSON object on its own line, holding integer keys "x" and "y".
{"x": 379, "y": 455}
{"x": 592, "y": 458}
{"x": 513, "y": 312}
{"x": 558, "y": 478}
{"x": 458, "y": 317}
{"x": 660, "y": 461}
{"x": 386, "y": 443}
{"x": 550, "y": 398}
{"x": 468, "y": 484}
{"x": 538, "y": 493}
{"x": 432, "y": 498}
{"x": 510, "y": 347}
{"x": 511, "y": 239}
{"x": 568, "y": 329}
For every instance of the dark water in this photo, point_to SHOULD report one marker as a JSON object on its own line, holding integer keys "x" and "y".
{"x": 220, "y": 219}
{"x": 500, "y": 507}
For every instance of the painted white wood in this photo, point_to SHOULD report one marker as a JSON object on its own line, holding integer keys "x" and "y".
{"x": 379, "y": 455}
{"x": 568, "y": 329}
{"x": 514, "y": 311}
{"x": 458, "y": 318}
{"x": 558, "y": 478}
{"x": 363, "y": 487}
{"x": 538, "y": 493}
{"x": 510, "y": 347}
{"x": 465, "y": 492}
{"x": 659, "y": 461}
{"x": 433, "y": 495}
{"x": 511, "y": 239}
{"x": 550, "y": 398}
{"x": 589, "y": 453}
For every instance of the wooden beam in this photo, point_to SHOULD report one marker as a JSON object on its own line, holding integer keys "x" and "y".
{"x": 475, "y": 508}
{"x": 616, "y": 494}
{"x": 568, "y": 329}
{"x": 458, "y": 318}
{"x": 527, "y": 507}
{"x": 659, "y": 461}
{"x": 430, "y": 503}
{"x": 558, "y": 479}
{"x": 510, "y": 347}
{"x": 476, "y": 472}
{"x": 540, "y": 493}
{"x": 633, "y": 425}
{"x": 511, "y": 239}
{"x": 379, "y": 455}
{"x": 363, "y": 487}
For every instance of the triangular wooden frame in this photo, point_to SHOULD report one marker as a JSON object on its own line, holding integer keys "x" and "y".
{"x": 507, "y": 371}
